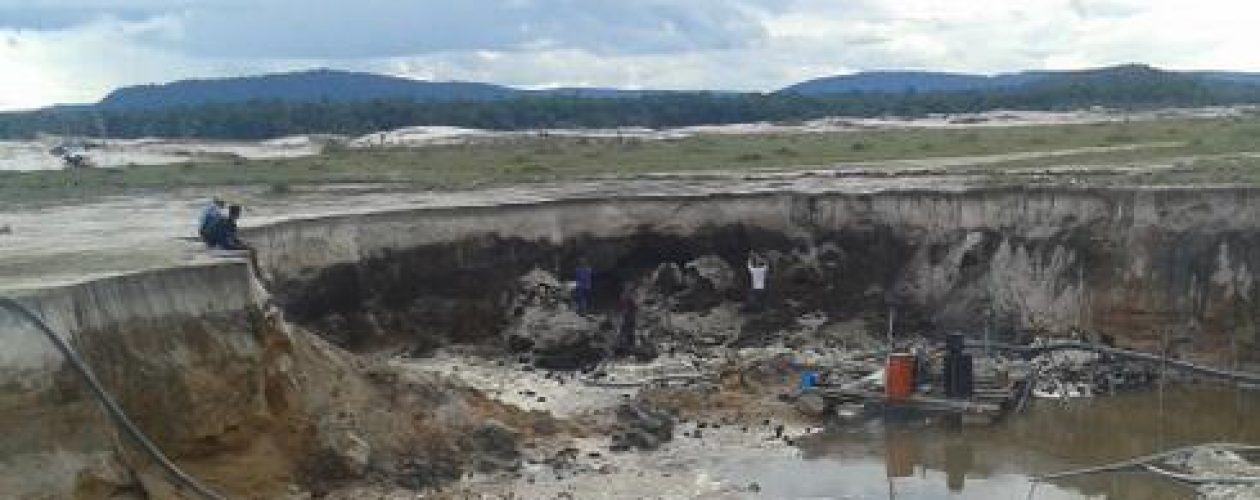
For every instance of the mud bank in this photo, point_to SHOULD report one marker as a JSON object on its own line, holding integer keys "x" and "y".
{"x": 256, "y": 385}
{"x": 1128, "y": 263}
{"x": 230, "y": 391}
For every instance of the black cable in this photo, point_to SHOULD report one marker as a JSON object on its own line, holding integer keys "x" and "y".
{"x": 111, "y": 406}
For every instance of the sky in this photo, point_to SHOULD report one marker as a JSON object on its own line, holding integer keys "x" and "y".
{"x": 76, "y": 51}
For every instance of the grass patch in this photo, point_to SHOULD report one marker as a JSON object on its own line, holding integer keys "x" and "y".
{"x": 559, "y": 158}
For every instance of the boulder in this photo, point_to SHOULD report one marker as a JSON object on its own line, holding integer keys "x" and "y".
{"x": 343, "y": 454}
{"x": 559, "y": 337}
{"x": 707, "y": 282}
{"x": 494, "y": 447}
{"x": 667, "y": 278}
{"x": 714, "y": 273}
{"x": 642, "y": 427}
{"x": 545, "y": 324}
{"x": 811, "y": 405}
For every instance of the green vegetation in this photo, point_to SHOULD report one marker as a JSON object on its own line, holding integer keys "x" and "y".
{"x": 504, "y": 161}
{"x": 1126, "y": 87}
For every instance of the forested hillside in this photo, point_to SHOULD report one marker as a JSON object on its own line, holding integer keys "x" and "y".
{"x": 1122, "y": 87}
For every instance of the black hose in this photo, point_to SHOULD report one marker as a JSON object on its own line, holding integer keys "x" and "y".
{"x": 1031, "y": 351}
{"x": 111, "y": 406}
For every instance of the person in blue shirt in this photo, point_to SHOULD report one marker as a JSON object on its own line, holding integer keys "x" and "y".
{"x": 585, "y": 277}
{"x": 210, "y": 215}
{"x": 222, "y": 232}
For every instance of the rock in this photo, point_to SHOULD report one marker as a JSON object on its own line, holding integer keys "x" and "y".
{"x": 345, "y": 454}
{"x": 707, "y": 282}
{"x": 715, "y": 272}
{"x": 104, "y": 477}
{"x": 642, "y": 427}
{"x": 494, "y": 447}
{"x": 667, "y": 278}
{"x": 558, "y": 337}
{"x": 811, "y": 404}
{"x": 544, "y": 324}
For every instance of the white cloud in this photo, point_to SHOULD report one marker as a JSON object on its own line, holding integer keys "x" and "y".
{"x": 76, "y": 50}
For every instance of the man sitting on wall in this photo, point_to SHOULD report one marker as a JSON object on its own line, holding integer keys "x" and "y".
{"x": 210, "y": 215}
{"x": 223, "y": 231}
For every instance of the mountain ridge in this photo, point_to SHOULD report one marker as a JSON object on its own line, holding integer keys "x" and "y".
{"x": 910, "y": 81}
{"x": 331, "y": 102}
{"x": 327, "y": 85}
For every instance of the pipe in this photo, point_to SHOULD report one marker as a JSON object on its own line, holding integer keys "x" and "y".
{"x": 1143, "y": 461}
{"x": 111, "y": 406}
{"x": 1030, "y": 351}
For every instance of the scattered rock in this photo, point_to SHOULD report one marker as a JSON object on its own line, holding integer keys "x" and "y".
{"x": 495, "y": 447}
{"x": 641, "y": 427}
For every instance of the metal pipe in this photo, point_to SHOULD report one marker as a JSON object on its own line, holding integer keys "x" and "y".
{"x": 111, "y": 406}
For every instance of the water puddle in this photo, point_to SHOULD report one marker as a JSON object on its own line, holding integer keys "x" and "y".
{"x": 933, "y": 459}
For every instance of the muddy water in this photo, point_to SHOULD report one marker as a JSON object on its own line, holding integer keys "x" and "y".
{"x": 932, "y": 459}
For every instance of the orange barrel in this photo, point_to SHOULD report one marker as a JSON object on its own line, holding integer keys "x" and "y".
{"x": 899, "y": 376}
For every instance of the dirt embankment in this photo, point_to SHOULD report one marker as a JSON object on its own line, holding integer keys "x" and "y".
{"x": 232, "y": 393}
{"x": 1135, "y": 265}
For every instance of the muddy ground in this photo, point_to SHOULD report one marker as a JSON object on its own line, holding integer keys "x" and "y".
{"x": 715, "y": 426}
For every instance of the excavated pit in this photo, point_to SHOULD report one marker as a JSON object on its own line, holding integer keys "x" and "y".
{"x": 258, "y": 379}
{"x": 1128, "y": 264}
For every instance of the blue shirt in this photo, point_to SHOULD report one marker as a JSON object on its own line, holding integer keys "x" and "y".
{"x": 584, "y": 277}
{"x": 209, "y": 215}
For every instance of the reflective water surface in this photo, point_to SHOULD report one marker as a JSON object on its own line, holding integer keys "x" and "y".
{"x": 934, "y": 459}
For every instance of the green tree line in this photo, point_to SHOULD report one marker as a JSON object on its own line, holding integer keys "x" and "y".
{"x": 276, "y": 118}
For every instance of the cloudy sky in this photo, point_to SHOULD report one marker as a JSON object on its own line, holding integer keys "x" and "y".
{"x": 59, "y": 51}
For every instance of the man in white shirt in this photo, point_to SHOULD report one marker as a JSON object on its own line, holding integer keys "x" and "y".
{"x": 758, "y": 268}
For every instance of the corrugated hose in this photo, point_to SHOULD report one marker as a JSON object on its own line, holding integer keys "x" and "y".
{"x": 111, "y": 406}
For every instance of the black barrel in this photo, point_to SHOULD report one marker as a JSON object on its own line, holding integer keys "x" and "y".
{"x": 959, "y": 376}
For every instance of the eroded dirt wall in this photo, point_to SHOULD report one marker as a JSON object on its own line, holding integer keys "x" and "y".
{"x": 1125, "y": 263}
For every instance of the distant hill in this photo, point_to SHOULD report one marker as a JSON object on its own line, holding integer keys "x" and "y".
{"x": 900, "y": 82}
{"x": 897, "y": 82}
{"x": 335, "y": 102}
{"x": 304, "y": 86}
{"x": 1229, "y": 76}
{"x": 332, "y": 86}
{"x": 348, "y": 87}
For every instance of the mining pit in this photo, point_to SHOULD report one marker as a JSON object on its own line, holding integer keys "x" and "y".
{"x": 436, "y": 352}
